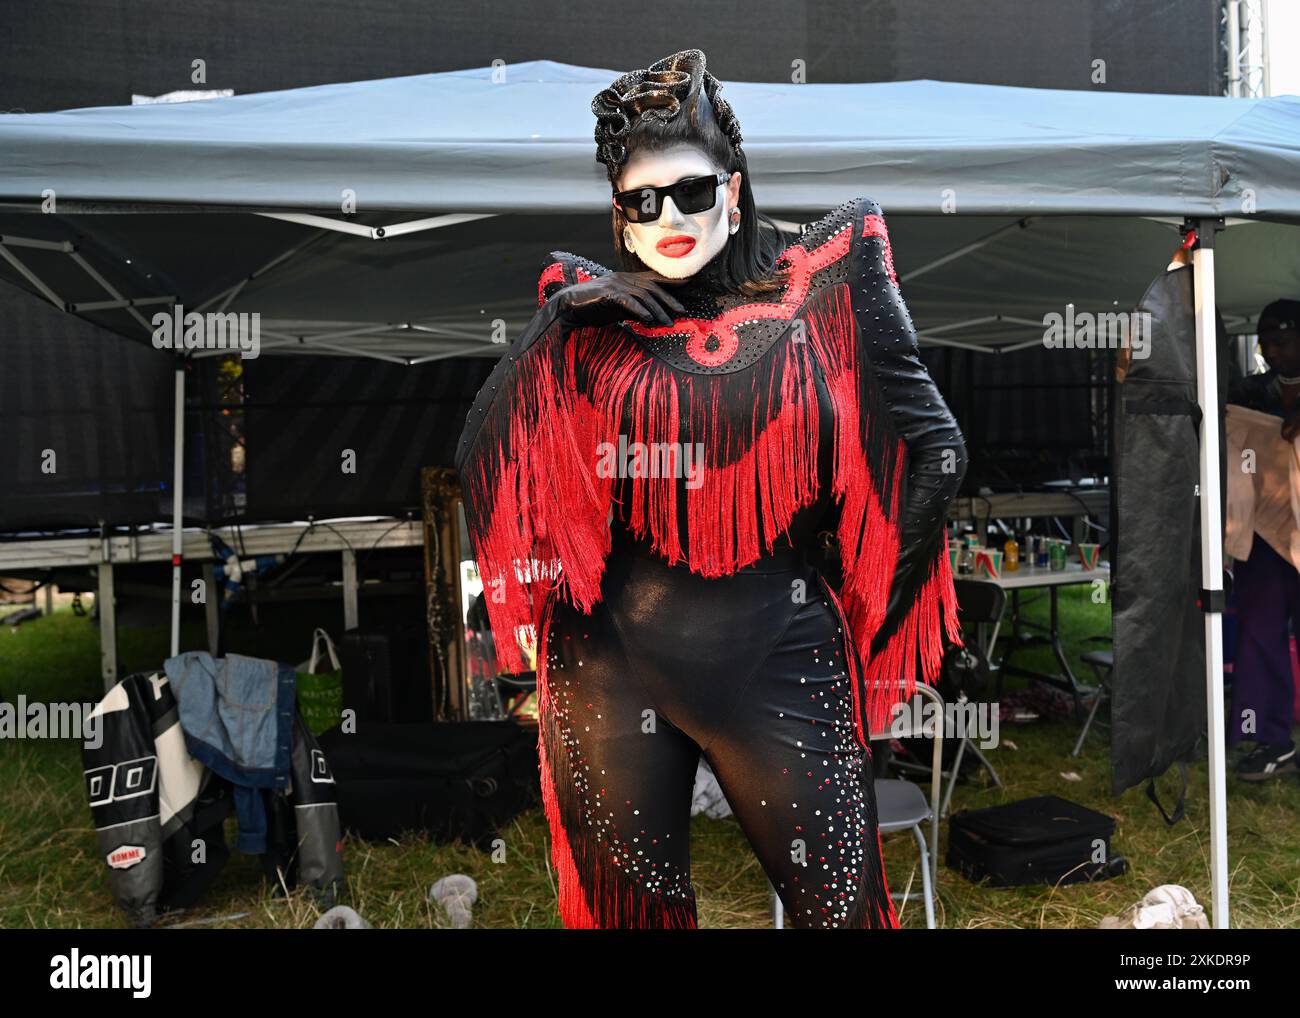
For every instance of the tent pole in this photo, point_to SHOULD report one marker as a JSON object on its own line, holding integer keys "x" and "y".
{"x": 1212, "y": 596}
{"x": 178, "y": 527}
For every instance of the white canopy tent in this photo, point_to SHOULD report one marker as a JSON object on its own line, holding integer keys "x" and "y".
{"x": 399, "y": 218}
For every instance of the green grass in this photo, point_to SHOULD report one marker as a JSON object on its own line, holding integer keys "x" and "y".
{"x": 51, "y": 875}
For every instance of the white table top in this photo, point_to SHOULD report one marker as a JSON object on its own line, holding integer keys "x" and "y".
{"x": 1041, "y": 576}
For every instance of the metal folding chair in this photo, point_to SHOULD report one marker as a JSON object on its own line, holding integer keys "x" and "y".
{"x": 1102, "y": 663}
{"x": 901, "y": 805}
{"x": 981, "y": 604}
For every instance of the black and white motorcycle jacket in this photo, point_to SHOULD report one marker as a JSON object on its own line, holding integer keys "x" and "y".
{"x": 159, "y": 813}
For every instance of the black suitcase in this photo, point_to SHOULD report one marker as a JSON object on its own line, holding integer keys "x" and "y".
{"x": 386, "y": 674}
{"x": 1045, "y": 840}
{"x": 452, "y": 780}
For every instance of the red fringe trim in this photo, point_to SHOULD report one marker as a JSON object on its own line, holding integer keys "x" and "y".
{"x": 921, "y": 630}
{"x": 741, "y": 506}
{"x": 886, "y": 916}
{"x": 538, "y": 508}
{"x": 575, "y": 912}
{"x": 537, "y": 514}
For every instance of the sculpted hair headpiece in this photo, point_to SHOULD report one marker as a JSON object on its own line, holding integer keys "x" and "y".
{"x": 659, "y": 91}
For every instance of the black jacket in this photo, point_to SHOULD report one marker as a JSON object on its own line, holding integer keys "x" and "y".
{"x": 159, "y": 813}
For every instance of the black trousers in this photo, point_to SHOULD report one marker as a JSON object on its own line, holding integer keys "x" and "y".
{"x": 747, "y": 669}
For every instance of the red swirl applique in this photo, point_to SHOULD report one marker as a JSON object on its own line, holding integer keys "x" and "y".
{"x": 712, "y": 342}
{"x": 554, "y": 273}
{"x": 708, "y": 347}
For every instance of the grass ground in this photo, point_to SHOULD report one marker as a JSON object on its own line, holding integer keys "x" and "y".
{"x": 51, "y": 876}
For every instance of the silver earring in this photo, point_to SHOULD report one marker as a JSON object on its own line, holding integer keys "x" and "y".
{"x": 735, "y": 220}
{"x": 627, "y": 238}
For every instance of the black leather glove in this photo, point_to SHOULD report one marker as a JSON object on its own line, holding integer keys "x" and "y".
{"x": 618, "y": 296}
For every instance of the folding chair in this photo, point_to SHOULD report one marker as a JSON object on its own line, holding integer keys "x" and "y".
{"x": 901, "y": 806}
{"x": 981, "y": 604}
{"x": 1102, "y": 663}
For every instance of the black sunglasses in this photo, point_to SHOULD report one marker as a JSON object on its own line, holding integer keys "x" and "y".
{"x": 690, "y": 196}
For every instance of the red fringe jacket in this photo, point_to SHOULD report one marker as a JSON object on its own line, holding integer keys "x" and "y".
{"x": 741, "y": 383}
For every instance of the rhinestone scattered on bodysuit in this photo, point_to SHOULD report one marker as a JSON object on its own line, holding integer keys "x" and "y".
{"x": 653, "y": 876}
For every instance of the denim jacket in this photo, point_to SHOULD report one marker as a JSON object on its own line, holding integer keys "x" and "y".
{"x": 237, "y": 713}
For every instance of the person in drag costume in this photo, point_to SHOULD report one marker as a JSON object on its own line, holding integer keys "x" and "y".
{"x": 646, "y": 474}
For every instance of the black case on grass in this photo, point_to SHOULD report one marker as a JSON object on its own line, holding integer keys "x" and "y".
{"x": 1045, "y": 840}
{"x": 453, "y": 780}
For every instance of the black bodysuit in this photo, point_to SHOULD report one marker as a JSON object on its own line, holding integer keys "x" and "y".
{"x": 656, "y": 644}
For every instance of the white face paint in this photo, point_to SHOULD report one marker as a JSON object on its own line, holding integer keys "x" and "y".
{"x": 677, "y": 245}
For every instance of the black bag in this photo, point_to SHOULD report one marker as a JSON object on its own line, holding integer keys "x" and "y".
{"x": 386, "y": 674}
{"x": 453, "y": 780}
{"x": 1045, "y": 840}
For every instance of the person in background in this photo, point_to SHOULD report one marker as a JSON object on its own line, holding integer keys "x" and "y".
{"x": 1266, "y": 586}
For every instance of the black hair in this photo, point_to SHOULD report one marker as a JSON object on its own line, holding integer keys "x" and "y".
{"x": 748, "y": 262}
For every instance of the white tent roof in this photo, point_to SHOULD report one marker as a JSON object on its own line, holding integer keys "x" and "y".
{"x": 497, "y": 168}
{"x": 518, "y": 138}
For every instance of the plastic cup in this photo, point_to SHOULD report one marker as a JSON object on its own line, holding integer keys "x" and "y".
{"x": 988, "y": 562}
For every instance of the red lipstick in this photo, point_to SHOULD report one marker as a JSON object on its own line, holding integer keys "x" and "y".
{"x": 676, "y": 246}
